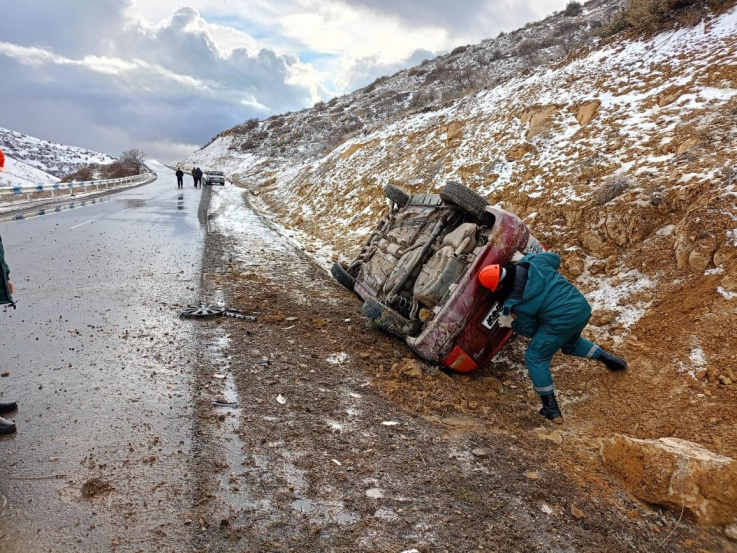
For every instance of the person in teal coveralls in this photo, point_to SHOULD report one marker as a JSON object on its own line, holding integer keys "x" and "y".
{"x": 551, "y": 311}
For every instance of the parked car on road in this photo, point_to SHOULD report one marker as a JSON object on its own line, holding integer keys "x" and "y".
{"x": 417, "y": 273}
{"x": 214, "y": 177}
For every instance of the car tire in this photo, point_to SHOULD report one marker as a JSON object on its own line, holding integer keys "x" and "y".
{"x": 456, "y": 194}
{"x": 385, "y": 318}
{"x": 342, "y": 276}
{"x": 396, "y": 194}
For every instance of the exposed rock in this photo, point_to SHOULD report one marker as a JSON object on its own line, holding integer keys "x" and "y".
{"x": 593, "y": 243}
{"x": 481, "y": 452}
{"x": 726, "y": 252}
{"x": 676, "y": 474}
{"x": 597, "y": 267}
{"x": 576, "y": 512}
{"x": 586, "y": 111}
{"x": 668, "y": 98}
{"x": 630, "y": 228}
{"x": 553, "y": 436}
{"x": 701, "y": 256}
{"x": 574, "y": 264}
{"x": 539, "y": 119}
{"x": 683, "y": 249}
{"x": 687, "y": 145}
{"x": 603, "y": 317}
{"x": 517, "y": 152}
{"x": 731, "y": 531}
{"x": 729, "y": 283}
{"x": 453, "y": 132}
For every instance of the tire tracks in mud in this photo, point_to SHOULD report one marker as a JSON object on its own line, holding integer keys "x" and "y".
{"x": 318, "y": 458}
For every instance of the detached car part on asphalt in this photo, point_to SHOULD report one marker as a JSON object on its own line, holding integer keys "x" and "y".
{"x": 417, "y": 273}
{"x": 203, "y": 310}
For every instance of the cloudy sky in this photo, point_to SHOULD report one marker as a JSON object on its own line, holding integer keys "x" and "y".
{"x": 168, "y": 75}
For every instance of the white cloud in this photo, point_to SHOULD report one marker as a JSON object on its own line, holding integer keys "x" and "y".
{"x": 115, "y": 74}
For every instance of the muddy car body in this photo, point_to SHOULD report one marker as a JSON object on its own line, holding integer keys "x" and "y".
{"x": 417, "y": 273}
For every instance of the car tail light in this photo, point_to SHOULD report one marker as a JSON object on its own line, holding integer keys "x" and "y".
{"x": 459, "y": 361}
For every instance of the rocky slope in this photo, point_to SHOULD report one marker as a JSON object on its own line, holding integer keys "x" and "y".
{"x": 619, "y": 155}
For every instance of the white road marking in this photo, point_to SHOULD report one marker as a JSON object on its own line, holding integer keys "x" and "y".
{"x": 80, "y": 224}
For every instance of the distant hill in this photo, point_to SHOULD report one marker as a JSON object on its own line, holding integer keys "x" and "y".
{"x": 49, "y": 157}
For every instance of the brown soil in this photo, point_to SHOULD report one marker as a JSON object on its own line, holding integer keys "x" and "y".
{"x": 470, "y": 464}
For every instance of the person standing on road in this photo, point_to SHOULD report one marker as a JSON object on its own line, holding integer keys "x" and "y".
{"x": 194, "y": 176}
{"x": 6, "y": 297}
{"x": 198, "y": 177}
{"x": 551, "y": 311}
{"x": 180, "y": 177}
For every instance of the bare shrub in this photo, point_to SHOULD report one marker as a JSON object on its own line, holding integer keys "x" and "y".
{"x": 617, "y": 24}
{"x": 458, "y": 50}
{"x": 496, "y": 54}
{"x": 528, "y": 47}
{"x": 613, "y": 187}
{"x": 567, "y": 27}
{"x": 729, "y": 174}
{"x": 82, "y": 174}
{"x": 134, "y": 159}
{"x": 249, "y": 144}
{"x": 547, "y": 41}
{"x": 573, "y": 9}
{"x": 650, "y": 15}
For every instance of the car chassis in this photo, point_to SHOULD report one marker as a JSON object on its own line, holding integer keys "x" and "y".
{"x": 417, "y": 273}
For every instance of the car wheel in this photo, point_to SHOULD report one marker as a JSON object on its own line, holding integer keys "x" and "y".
{"x": 456, "y": 194}
{"x": 396, "y": 194}
{"x": 342, "y": 276}
{"x": 385, "y": 318}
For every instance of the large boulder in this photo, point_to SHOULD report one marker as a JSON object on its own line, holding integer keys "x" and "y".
{"x": 676, "y": 474}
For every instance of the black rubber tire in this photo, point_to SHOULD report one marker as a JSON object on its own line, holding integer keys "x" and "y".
{"x": 384, "y": 317}
{"x": 342, "y": 276}
{"x": 396, "y": 194}
{"x": 456, "y": 194}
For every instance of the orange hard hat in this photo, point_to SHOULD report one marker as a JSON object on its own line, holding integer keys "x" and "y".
{"x": 491, "y": 275}
{"x": 2, "y": 161}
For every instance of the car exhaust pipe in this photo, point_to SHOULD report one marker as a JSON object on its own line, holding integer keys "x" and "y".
{"x": 439, "y": 226}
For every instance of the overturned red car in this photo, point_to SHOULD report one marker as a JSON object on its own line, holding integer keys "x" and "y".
{"x": 417, "y": 273}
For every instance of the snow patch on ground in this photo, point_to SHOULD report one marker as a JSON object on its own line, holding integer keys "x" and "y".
{"x": 612, "y": 293}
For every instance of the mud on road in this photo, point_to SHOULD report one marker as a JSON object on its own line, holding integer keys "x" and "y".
{"x": 343, "y": 441}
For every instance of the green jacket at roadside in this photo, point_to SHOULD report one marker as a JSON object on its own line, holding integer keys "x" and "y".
{"x": 5, "y": 296}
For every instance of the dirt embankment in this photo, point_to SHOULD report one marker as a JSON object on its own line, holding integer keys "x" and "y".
{"x": 346, "y": 442}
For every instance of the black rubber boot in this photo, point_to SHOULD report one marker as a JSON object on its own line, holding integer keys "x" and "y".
{"x": 6, "y": 426}
{"x": 550, "y": 409}
{"x": 8, "y": 406}
{"x": 612, "y": 362}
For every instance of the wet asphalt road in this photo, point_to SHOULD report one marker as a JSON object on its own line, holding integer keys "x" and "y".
{"x": 100, "y": 365}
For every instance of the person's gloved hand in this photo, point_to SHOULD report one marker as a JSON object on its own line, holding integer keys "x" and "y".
{"x": 505, "y": 321}
{"x": 517, "y": 257}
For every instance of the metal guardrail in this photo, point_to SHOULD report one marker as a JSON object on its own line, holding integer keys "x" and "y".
{"x": 71, "y": 186}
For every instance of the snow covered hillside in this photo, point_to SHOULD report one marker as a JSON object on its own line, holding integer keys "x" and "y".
{"x": 49, "y": 157}
{"x": 618, "y": 152}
